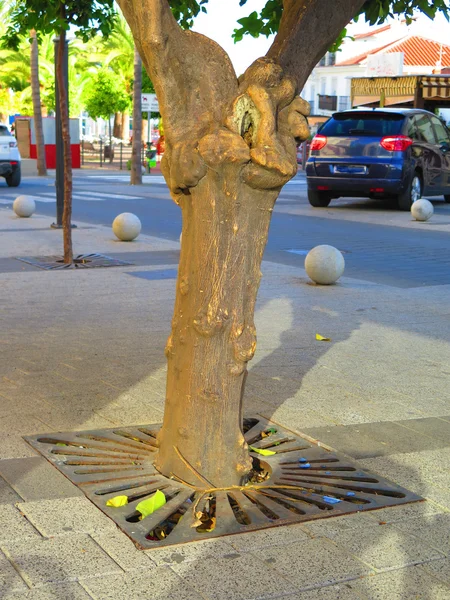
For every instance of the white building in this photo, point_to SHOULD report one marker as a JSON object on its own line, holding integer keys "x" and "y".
{"x": 394, "y": 47}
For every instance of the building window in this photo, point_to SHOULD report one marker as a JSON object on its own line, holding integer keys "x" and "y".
{"x": 344, "y": 103}
{"x": 322, "y": 62}
{"x": 331, "y": 58}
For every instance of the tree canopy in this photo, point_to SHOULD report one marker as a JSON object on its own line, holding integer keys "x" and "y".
{"x": 105, "y": 96}
{"x": 87, "y": 17}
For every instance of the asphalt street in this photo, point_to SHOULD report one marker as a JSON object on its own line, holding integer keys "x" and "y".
{"x": 376, "y": 247}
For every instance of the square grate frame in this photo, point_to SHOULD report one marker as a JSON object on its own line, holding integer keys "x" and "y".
{"x": 306, "y": 482}
{"x": 81, "y": 261}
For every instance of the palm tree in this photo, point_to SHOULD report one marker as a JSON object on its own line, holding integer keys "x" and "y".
{"x": 37, "y": 110}
{"x": 136, "y": 166}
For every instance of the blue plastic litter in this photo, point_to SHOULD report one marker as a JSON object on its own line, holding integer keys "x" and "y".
{"x": 327, "y": 472}
{"x": 302, "y": 459}
{"x": 350, "y": 493}
{"x": 305, "y": 466}
{"x": 331, "y": 500}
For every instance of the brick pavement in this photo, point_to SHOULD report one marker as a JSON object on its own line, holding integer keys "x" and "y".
{"x": 84, "y": 349}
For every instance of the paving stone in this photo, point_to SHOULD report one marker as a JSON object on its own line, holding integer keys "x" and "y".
{"x": 392, "y": 514}
{"x": 404, "y": 584}
{"x": 385, "y": 547}
{"x": 350, "y": 440}
{"x": 434, "y": 530}
{"x": 10, "y": 580}
{"x": 66, "y": 516}
{"x": 13, "y": 446}
{"x": 314, "y": 563}
{"x": 59, "y": 559}
{"x": 436, "y": 431}
{"x": 7, "y": 494}
{"x": 332, "y": 525}
{"x": 36, "y": 479}
{"x": 439, "y": 569}
{"x": 215, "y": 548}
{"x": 121, "y": 549}
{"x": 159, "y": 584}
{"x": 72, "y": 591}
{"x": 275, "y": 536}
{"x": 14, "y": 526}
{"x": 236, "y": 577}
{"x": 23, "y": 425}
{"x": 343, "y": 591}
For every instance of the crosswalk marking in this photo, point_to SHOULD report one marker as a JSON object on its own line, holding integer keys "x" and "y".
{"x": 108, "y": 196}
{"x": 159, "y": 179}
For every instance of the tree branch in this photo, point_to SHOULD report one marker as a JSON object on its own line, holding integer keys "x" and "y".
{"x": 193, "y": 76}
{"x": 307, "y": 30}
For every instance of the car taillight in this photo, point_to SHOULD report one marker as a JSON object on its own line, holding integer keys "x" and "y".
{"x": 14, "y": 162}
{"x": 13, "y": 144}
{"x": 318, "y": 142}
{"x": 394, "y": 143}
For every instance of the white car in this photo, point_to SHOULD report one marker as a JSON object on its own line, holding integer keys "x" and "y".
{"x": 9, "y": 157}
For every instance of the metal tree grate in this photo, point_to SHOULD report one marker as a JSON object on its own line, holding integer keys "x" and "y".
{"x": 300, "y": 482}
{"x": 81, "y": 261}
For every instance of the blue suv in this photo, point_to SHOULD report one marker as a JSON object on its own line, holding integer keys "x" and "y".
{"x": 380, "y": 153}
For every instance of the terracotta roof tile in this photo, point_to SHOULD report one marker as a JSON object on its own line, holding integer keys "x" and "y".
{"x": 418, "y": 51}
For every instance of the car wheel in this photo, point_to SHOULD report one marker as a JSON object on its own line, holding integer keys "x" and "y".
{"x": 412, "y": 193}
{"x": 447, "y": 198}
{"x": 319, "y": 199}
{"x": 13, "y": 180}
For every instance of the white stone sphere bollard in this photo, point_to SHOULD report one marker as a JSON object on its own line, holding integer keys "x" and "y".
{"x": 324, "y": 264}
{"x": 126, "y": 227}
{"x": 24, "y": 206}
{"x": 422, "y": 210}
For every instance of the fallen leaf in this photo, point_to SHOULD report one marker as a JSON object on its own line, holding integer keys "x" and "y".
{"x": 117, "y": 501}
{"x": 321, "y": 338}
{"x": 60, "y": 444}
{"x": 149, "y": 506}
{"x": 208, "y": 525}
{"x": 261, "y": 451}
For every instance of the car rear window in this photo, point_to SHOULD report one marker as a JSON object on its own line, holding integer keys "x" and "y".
{"x": 4, "y": 130}
{"x": 357, "y": 124}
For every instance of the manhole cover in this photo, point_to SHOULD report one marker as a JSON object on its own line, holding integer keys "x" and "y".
{"x": 300, "y": 482}
{"x": 81, "y": 261}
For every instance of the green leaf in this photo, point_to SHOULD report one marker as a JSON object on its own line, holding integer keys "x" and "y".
{"x": 117, "y": 501}
{"x": 152, "y": 504}
{"x": 261, "y": 451}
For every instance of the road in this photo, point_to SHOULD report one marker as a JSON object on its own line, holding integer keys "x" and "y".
{"x": 380, "y": 244}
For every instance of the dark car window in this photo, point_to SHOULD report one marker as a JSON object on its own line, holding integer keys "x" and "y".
{"x": 441, "y": 131}
{"x": 424, "y": 129}
{"x": 362, "y": 123}
{"x": 4, "y": 130}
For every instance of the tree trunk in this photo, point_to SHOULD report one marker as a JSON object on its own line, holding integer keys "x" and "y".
{"x": 37, "y": 110}
{"x": 230, "y": 147}
{"x": 118, "y": 124}
{"x": 225, "y": 225}
{"x": 136, "y": 164}
{"x": 67, "y": 214}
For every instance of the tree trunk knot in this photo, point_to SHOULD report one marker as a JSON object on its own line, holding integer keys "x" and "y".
{"x": 210, "y": 322}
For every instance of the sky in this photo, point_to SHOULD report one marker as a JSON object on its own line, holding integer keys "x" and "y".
{"x": 220, "y": 21}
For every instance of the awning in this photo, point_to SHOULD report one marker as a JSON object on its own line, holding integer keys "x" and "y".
{"x": 436, "y": 87}
{"x": 389, "y": 101}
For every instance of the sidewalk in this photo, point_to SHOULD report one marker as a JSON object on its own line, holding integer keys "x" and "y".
{"x": 84, "y": 349}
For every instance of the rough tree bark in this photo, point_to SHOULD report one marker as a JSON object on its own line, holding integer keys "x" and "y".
{"x": 67, "y": 213}
{"x": 136, "y": 148}
{"x": 37, "y": 110}
{"x": 118, "y": 125}
{"x": 230, "y": 147}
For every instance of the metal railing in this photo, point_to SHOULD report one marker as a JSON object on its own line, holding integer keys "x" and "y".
{"x": 99, "y": 154}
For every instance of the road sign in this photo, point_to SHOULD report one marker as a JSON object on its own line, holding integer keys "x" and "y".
{"x": 149, "y": 103}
